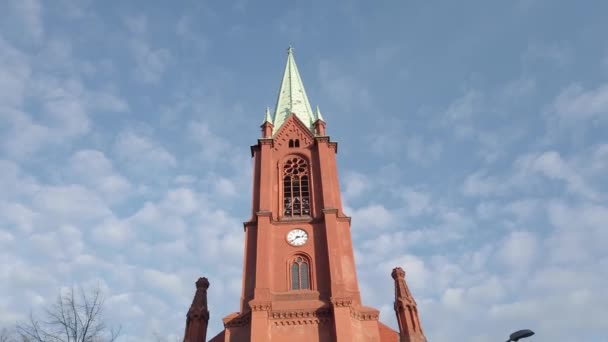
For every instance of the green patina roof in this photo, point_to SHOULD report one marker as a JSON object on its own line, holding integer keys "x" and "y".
{"x": 267, "y": 117}
{"x": 292, "y": 97}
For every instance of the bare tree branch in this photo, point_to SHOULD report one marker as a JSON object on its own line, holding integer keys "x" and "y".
{"x": 75, "y": 317}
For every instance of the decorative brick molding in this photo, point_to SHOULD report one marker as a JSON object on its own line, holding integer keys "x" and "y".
{"x": 315, "y": 321}
{"x": 260, "y": 306}
{"x": 365, "y": 315}
{"x": 342, "y": 301}
{"x": 299, "y": 317}
{"x": 305, "y": 295}
{"x": 292, "y": 128}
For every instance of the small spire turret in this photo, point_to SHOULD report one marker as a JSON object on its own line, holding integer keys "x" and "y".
{"x": 406, "y": 310}
{"x": 197, "y": 318}
{"x": 267, "y": 125}
{"x": 319, "y": 124}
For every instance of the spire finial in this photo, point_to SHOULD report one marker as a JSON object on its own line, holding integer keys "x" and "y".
{"x": 267, "y": 117}
{"x": 318, "y": 114}
{"x": 290, "y": 50}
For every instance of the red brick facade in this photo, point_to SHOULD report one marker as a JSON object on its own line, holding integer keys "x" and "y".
{"x": 299, "y": 277}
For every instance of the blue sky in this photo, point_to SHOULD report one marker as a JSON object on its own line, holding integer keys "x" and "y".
{"x": 472, "y": 152}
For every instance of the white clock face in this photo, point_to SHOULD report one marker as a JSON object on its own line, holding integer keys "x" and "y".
{"x": 297, "y": 237}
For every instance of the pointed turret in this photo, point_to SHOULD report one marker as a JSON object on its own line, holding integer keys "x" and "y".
{"x": 292, "y": 97}
{"x": 406, "y": 310}
{"x": 318, "y": 114}
{"x": 267, "y": 125}
{"x": 197, "y": 318}
{"x": 319, "y": 124}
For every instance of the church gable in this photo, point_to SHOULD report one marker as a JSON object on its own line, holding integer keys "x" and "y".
{"x": 293, "y": 133}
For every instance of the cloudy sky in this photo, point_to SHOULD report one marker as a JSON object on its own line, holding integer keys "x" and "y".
{"x": 473, "y": 153}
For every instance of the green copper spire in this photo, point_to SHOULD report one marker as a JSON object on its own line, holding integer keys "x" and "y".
{"x": 292, "y": 97}
{"x": 267, "y": 117}
{"x": 318, "y": 114}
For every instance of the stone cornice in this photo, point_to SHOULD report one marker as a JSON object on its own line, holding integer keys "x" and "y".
{"x": 365, "y": 315}
{"x": 342, "y": 301}
{"x": 266, "y": 141}
{"x": 260, "y": 306}
{"x": 238, "y": 321}
{"x": 301, "y": 317}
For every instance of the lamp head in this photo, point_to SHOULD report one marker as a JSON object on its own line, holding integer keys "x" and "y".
{"x": 516, "y": 336}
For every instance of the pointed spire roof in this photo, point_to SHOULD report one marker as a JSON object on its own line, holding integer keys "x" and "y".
{"x": 267, "y": 117}
{"x": 318, "y": 114}
{"x": 292, "y": 97}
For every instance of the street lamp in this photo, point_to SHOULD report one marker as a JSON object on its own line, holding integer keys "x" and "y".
{"x": 520, "y": 334}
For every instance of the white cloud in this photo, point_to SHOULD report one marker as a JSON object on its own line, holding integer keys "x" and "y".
{"x": 92, "y": 167}
{"x": 137, "y": 24}
{"x": 551, "y": 165}
{"x": 212, "y": 146}
{"x": 30, "y": 14}
{"x": 17, "y": 215}
{"x": 150, "y": 63}
{"x": 481, "y": 184}
{"x": 141, "y": 151}
{"x": 519, "y": 250}
{"x": 70, "y": 203}
{"x": 577, "y": 105}
{"x": 373, "y": 217}
{"x": 416, "y": 202}
{"x": 225, "y": 187}
{"x": 341, "y": 87}
{"x": 558, "y": 54}
{"x": 114, "y": 232}
{"x": 182, "y": 201}
{"x": 422, "y": 152}
{"x": 165, "y": 281}
{"x": 6, "y": 237}
{"x": 14, "y": 75}
{"x": 355, "y": 184}
{"x": 461, "y": 111}
{"x": 453, "y": 298}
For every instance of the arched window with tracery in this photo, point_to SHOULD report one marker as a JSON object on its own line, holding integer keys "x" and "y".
{"x": 300, "y": 273}
{"x": 296, "y": 194}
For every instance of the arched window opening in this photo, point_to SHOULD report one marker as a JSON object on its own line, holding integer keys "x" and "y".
{"x": 297, "y": 143}
{"x": 296, "y": 194}
{"x": 291, "y": 143}
{"x": 300, "y": 274}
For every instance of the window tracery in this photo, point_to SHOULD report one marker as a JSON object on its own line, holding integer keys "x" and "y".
{"x": 300, "y": 273}
{"x": 296, "y": 193}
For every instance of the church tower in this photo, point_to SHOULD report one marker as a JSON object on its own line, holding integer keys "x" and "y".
{"x": 299, "y": 277}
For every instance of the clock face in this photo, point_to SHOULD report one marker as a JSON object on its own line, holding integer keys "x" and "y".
{"x": 297, "y": 237}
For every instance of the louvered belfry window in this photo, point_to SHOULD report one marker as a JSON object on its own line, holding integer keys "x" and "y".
{"x": 300, "y": 274}
{"x": 296, "y": 193}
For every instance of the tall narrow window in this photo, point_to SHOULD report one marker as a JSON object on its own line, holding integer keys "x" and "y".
{"x": 296, "y": 195}
{"x": 300, "y": 274}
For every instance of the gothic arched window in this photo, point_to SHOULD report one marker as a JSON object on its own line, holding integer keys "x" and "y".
{"x": 296, "y": 195}
{"x": 300, "y": 273}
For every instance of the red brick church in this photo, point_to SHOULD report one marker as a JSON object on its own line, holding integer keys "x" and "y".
{"x": 299, "y": 277}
